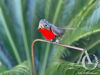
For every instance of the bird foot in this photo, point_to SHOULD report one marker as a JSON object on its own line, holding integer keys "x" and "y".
{"x": 57, "y": 41}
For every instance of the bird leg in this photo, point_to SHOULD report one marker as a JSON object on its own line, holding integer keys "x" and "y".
{"x": 54, "y": 40}
{"x": 57, "y": 41}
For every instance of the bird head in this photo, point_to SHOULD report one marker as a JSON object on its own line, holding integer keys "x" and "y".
{"x": 44, "y": 24}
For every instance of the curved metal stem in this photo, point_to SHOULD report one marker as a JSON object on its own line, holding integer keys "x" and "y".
{"x": 37, "y": 40}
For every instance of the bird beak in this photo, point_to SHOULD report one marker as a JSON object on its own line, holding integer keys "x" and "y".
{"x": 40, "y": 26}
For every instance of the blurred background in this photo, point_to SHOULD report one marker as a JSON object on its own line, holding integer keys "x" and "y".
{"x": 19, "y": 20}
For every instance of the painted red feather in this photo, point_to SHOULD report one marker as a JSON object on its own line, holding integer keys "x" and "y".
{"x": 47, "y": 33}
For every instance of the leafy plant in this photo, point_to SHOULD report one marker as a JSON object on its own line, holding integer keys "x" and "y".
{"x": 22, "y": 69}
{"x": 18, "y": 28}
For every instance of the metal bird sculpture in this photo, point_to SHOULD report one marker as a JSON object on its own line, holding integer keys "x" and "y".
{"x": 50, "y": 31}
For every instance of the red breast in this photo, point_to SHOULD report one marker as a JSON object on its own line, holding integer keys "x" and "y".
{"x": 47, "y": 33}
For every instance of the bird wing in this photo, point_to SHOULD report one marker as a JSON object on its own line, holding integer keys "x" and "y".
{"x": 57, "y": 31}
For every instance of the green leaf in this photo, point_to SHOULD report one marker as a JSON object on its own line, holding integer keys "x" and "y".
{"x": 2, "y": 69}
{"x": 68, "y": 68}
{"x": 9, "y": 36}
{"x": 82, "y": 24}
{"x": 22, "y": 69}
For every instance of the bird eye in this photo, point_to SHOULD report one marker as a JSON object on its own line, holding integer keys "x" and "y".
{"x": 46, "y": 25}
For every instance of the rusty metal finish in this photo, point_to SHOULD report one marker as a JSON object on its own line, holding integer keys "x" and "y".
{"x": 59, "y": 44}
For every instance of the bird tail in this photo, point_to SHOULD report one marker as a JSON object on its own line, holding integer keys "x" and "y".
{"x": 69, "y": 28}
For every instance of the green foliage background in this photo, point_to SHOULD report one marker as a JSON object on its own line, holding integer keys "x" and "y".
{"x": 18, "y": 28}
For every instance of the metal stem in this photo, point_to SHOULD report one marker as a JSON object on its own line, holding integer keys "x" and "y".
{"x": 40, "y": 40}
